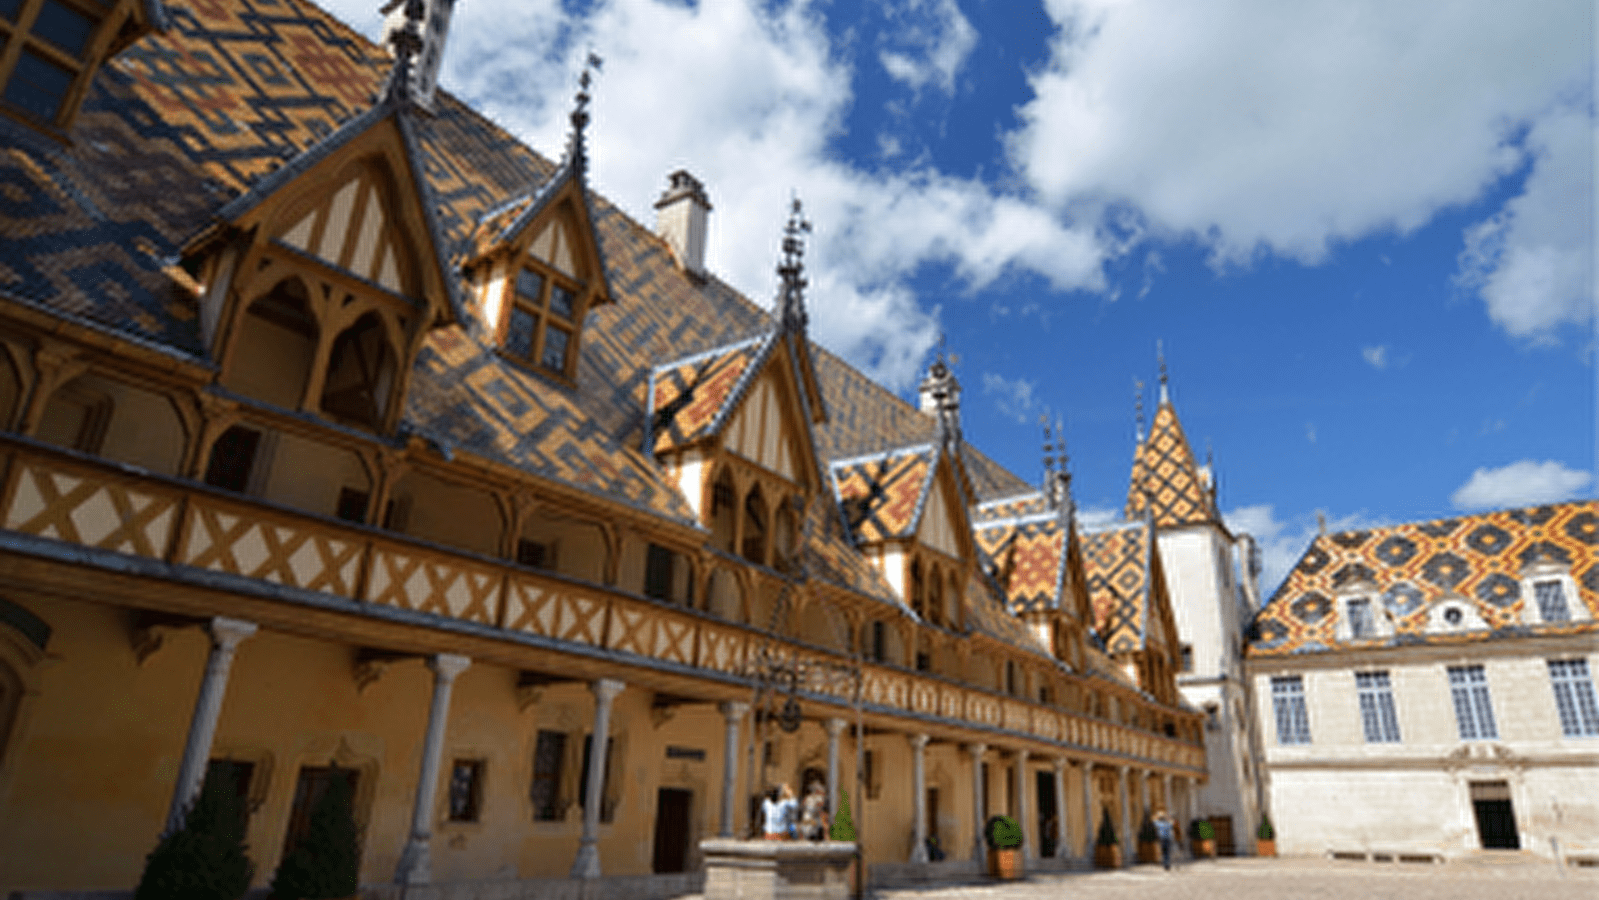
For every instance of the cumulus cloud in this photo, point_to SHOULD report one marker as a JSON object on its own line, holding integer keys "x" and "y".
{"x": 1376, "y": 357}
{"x": 1091, "y": 516}
{"x": 928, "y": 43}
{"x": 1013, "y": 398}
{"x": 1291, "y": 127}
{"x": 1282, "y": 542}
{"x": 1521, "y": 483}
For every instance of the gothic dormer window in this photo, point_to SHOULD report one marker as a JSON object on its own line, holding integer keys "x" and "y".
{"x": 49, "y": 50}
{"x": 542, "y": 327}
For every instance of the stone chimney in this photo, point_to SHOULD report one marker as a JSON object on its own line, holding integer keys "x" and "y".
{"x": 680, "y": 217}
{"x": 435, "y": 28}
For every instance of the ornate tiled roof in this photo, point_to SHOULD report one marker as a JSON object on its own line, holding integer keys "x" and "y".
{"x": 1117, "y": 561}
{"x": 688, "y": 397}
{"x": 1026, "y": 550}
{"x": 1010, "y": 507}
{"x": 1477, "y": 559}
{"x": 1164, "y": 472}
{"x": 883, "y": 495}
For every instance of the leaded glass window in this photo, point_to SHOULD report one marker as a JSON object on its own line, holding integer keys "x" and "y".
{"x": 1288, "y": 702}
{"x": 1474, "y": 713}
{"x": 1574, "y": 697}
{"x": 1551, "y": 596}
{"x": 1377, "y": 707}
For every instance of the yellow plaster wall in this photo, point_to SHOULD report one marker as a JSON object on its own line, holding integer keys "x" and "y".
{"x": 450, "y": 514}
{"x": 308, "y": 475}
{"x": 143, "y": 428}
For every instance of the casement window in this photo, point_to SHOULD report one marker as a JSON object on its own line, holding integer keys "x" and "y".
{"x": 1551, "y": 598}
{"x": 466, "y": 790}
{"x": 1377, "y": 707}
{"x": 1474, "y": 714}
{"x": 47, "y": 50}
{"x": 542, "y": 328}
{"x": 549, "y": 759}
{"x": 1574, "y": 697}
{"x": 1288, "y": 703}
{"x": 1361, "y": 623}
{"x": 658, "y": 571}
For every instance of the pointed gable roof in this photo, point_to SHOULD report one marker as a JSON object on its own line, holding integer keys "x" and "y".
{"x": 1166, "y": 477}
{"x": 1027, "y": 548}
{"x": 884, "y": 495}
{"x": 1118, "y": 563}
{"x": 1412, "y": 566}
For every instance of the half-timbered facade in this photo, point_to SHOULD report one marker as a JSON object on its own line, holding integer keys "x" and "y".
{"x": 342, "y": 436}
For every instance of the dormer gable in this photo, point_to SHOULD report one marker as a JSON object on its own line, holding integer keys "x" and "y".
{"x": 51, "y": 50}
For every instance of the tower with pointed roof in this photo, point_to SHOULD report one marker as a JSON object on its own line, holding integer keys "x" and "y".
{"x": 1210, "y": 577}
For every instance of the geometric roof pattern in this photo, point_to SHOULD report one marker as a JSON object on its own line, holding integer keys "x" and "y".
{"x": 883, "y": 495}
{"x": 1476, "y": 558}
{"x": 691, "y": 397}
{"x": 1117, "y": 563}
{"x": 1028, "y": 556}
{"x": 1166, "y": 476}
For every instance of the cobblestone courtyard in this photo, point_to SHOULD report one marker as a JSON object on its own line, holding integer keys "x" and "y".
{"x": 1285, "y": 879}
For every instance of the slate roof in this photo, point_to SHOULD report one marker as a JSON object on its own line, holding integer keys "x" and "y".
{"x": 1475, "y": 558}
{"x": 883, "y": 495}
{"x": 187, "y": 121}
{"x": 1118, "y": 562}
{"x": 1164, "y": 472}
{"x": 1026, "y": 551}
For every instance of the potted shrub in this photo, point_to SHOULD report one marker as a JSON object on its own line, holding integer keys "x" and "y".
{"x": 326, "y": 864}
{"x": 1107, "y": 849}
{"x": 1148, "y": 842}
{"x": 205, "y": 859}
{"x": 1204, "y": 837}
{"x": 843, "y": 829}
{"x": 1004, "y": 838}
{"x": 1265, "y": 837}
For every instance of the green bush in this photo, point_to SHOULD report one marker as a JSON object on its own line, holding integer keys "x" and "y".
{"x": 1147, "y": 833}
{"x": 1202, "y": 830}
{"x": 843, "y": 828}
{"x": 1002, "y": 833}
{"x": 1265, "y": 832}
{"x": 1107, "y": 831}
{"x": 327, "y": 861}
{"x": 205, "y": 859}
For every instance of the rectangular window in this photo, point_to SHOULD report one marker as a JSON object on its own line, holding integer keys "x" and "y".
{"x": 1288, "y": 702}
{"x": 658, "y": 572}
{"x": 352, "y": 505}
{"x": 1360, "y": 621}
{"x": 466, "y": 790}
{"x": 1574, "y": 698}
{"x": 1187, "y": 656}
{"x": 543, "y": 321}
{"x": 1377, "y": 707}
{"x": 871, "y": 775}
{"x": 232, "y": 458}
{"x": 51, "y": 56}
{"x": 548, "y": 758}
{"x": 1551, "y": 601}
{"x": 879, "y": 642}
{"x": 1474, "y": 713}
{"x": 533, "y": 554}
{"x": 238, "y": 776}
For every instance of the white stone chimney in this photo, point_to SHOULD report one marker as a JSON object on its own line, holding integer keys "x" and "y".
{"x": 680, "y": 218}
{"x": 435, "y": 28}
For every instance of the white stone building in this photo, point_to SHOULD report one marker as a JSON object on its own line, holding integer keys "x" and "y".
{"x": 1428, "y": 693}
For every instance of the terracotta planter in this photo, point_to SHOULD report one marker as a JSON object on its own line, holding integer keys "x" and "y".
{"x": 1264, "y": 847}
{"x": 1005, "y": 863}
{"x": 1107, "y": 856}
{"x": 1149, "y": 851}
{"x": 1204, "y": 847}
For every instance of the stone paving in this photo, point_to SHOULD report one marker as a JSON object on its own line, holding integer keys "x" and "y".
{"x": 1286, "y": 879}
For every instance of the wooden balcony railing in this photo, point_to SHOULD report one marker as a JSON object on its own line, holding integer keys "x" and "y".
{"x": 55, "y": 495}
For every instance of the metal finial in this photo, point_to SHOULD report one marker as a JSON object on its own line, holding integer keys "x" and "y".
{"x": 577, "y": 147}
{"x": 1160, "y": 357}
{"x": 1138, "y": 407}
{"x": 791, "y": 316}
{"x": 407, "y": 43}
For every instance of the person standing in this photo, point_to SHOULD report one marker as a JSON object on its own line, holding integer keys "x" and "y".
{"x": 813, "y": 813}
{"x": 780, "y": 813}
{"x": 1163, "y": 829}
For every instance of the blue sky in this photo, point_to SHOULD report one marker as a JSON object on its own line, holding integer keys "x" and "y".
{"x": 1363, "y": 230}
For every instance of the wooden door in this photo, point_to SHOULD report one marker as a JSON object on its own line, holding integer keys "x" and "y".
{"x": 671, "y": 829}
{"x": 1224, "y": 835}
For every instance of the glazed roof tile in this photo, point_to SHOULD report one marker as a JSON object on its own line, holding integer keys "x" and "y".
{"x": 883, "y": 495}
{"x": 1164, "y": 472}
{"x": 1477, "y": 559}
{"x": 1117, "y": 564}
{"x": 691, "y": 397}
{"x": 1026, "y": 550}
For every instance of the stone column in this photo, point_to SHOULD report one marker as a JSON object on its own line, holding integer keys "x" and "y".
{"x": 1090, "y": 821}
{"x": 416, "y": 866}
{"x": 1062, "y": 833}
{"x": 226, "y": 634}
{"x": 979, "y": 846}
{"x": 732, "y": 712}
{"x": 1168, "y": 802}
{"x": 1143, "y": 796}
{"x": 835, "y": 727}
{"x": 587, "y": 863}
{"x": 1129, "y": 848}
{"x": 1023, "y": 808}
{"x": 919, "y": 804}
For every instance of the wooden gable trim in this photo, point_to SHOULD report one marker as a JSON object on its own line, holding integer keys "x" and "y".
{"x": 569, "y": 199}
{"x": 776, "y": 369}
{"x": 948, "y": 479}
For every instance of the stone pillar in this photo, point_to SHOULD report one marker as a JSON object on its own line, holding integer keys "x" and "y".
{"x": 1128, "y": 835}
{"x": 732, "y": 711}
{"x": 919, "y": 804}
{"x": 416, "y": 866}
{"x": 1193, "y": 800}
{"x": 1143, "y": 796}
{"x": 226, "y": 635}
{"x": 1062, "y": 833}
{"x": 1024, "y": 809}
{"x": 1168, "y": 802}
{"x": 979, "y": 846}
{"x": 835, "y": 727}
{"x": 1090, "y": 821}
{"x": 587, "y": 863}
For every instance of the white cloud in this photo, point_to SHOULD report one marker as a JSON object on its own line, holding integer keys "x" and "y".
{"x": 1521, "y": 483}
{"x": 1091, "y": 516}
{"x": 1291, "y": 127}
{"x": 928, "y": 43}
{"x": 1013, "y": 398}
{"x": 1376, "y": 357}
{"x": 1281, "y": 543}
{"x": 1532, "y": 262}
{"x": 1310, "y": 432}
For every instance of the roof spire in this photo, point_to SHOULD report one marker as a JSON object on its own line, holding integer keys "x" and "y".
{"x": 1138, "y": 410}
{"x": 576, "y": 147}
{"x": 941, "y": 397}
{"x": 406, "y": 38}
{"x": 1057, "y": 476}
{"x": 1160, "y": 357}
{"x": 791, "y": 316}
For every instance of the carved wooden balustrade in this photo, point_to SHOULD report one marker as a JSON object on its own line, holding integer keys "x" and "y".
{"x": 49, "y": 494}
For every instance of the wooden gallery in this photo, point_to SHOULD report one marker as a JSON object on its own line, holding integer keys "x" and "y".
{"x": 343, "y": 436}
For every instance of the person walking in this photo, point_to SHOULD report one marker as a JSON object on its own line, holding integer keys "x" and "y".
{"x": 1163, "y": 829}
